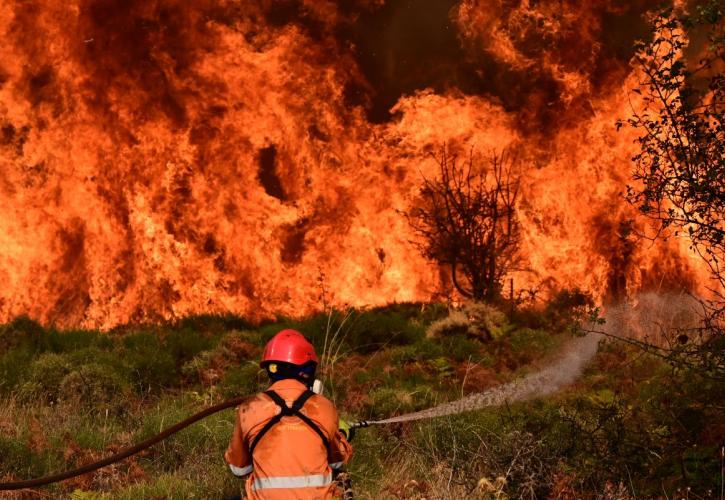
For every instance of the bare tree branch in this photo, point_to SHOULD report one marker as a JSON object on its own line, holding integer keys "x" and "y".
{"x": 466, "y": 219}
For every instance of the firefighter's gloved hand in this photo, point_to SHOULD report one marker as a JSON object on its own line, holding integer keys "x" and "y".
{"x": 346, "y": 430}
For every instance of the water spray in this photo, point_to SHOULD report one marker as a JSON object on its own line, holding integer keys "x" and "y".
{"x": 544, "y": 382}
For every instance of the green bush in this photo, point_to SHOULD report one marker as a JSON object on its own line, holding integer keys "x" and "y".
{"x": 461, "y": 347}
{"x": 363, "y": 331}
{"x": 94, "y": 355}
{"x": 71, "y": 340}
{"x": 211, "y": 323}
{"x": 388, "y": 401}
{"x": 373, "y": 330}
{"x": 22, "y": 331}
{"x": 247, "y": 378}
{"x": 184, "y": 344}
{"x": 533, "y": 343}
{"x": 14, "y": 367}
{"x": 30, "y": 335}
{"x": 422, "y": 350}
{"x": 94, "y": 386}
{"x": 230, "y": 351}
{"x": 150, "y": 365}
{"x": 415, "y": 312}
{"x": 45, "y": 376}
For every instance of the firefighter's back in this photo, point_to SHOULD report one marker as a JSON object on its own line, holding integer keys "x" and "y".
{"x": 289, "y": 458}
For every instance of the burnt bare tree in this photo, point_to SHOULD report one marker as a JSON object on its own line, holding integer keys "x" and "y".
{"x": 680, "y": 168}
{"x": 466, "y": 218}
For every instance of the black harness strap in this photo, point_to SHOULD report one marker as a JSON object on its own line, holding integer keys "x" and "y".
{"x": 287, "y": 411}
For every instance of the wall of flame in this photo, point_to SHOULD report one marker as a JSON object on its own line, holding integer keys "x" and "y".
{"x": 161, "y": 158}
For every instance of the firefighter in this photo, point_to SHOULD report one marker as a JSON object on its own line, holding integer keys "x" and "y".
{"x": 289, "y": 440}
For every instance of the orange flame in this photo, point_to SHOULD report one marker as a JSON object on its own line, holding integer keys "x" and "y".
{"x": 166, "y": 158}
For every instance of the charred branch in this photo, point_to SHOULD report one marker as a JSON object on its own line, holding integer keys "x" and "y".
{"x": 466, "y": 219}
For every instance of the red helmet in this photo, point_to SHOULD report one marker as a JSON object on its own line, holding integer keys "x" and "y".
{"x": 289, "y": 346}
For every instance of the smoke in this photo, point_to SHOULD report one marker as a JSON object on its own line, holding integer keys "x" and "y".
{"x": 655, "y": 317}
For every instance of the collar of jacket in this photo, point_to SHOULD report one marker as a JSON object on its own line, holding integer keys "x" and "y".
{"x": 288, "y": 383}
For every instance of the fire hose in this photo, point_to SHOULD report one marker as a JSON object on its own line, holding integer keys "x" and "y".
{"x": 541, "y": 383}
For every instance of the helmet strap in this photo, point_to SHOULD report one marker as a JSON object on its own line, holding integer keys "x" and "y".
{"x": 280, "y": 371}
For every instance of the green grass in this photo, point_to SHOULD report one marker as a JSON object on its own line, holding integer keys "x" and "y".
{"x": 73, "y": 397}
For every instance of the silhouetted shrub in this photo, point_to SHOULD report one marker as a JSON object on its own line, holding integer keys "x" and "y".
{"x": 22, "y": 331}
{"x": 567, "y": 308}
{"x": 212, "y": 323}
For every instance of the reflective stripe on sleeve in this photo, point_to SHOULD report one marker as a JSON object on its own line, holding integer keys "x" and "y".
{"x": 313, "y": 481}
{"x": 241, "y": 471}
{"x": 336, "y": 465}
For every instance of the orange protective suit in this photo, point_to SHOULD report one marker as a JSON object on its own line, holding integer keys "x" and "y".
{"x": 291, "y": 460}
